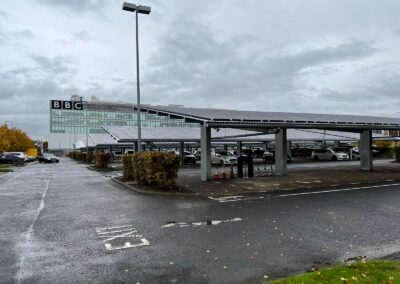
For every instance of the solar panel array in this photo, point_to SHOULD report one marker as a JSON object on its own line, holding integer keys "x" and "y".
{"x": 231, "y": 116}
{"x": 101, "y": 139}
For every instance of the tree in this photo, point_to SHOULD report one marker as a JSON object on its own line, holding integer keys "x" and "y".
{"x": 45, "y": 146}
{"x": 14, "y": 139}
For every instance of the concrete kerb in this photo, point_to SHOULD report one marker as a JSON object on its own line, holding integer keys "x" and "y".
{"x": 158, "y": 193}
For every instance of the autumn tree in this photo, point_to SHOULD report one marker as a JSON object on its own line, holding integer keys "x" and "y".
{"x": 14, "y": 139}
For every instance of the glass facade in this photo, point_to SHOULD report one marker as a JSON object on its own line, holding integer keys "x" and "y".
{"x": 97, "y": 114}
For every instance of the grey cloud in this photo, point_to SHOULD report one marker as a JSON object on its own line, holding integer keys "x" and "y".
{"x": 3, "y": 14}
{"x": 82, "y": 36}
{"x": 192, "y": 67}
{"x": 76, "y": 6}
{"x": 14, "y": 37}
{"x": 26, "y": 91}
{"x": 57, "y": 67}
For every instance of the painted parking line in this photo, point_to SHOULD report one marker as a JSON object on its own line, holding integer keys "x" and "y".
{"x": 337, "y": 190}
{"x": 199, "y": 224}
{"x": 235, "y": 198}
{"x": 121, "y": 237}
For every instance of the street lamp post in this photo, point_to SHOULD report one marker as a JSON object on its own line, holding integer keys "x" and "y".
{"x": 142, "y": 10}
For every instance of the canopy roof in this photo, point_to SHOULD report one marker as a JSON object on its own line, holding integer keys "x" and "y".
{"x": 254, "y": 119}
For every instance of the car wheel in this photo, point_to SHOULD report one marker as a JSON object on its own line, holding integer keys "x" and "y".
{"x": 194, "y": 162}
{"x": 334, "y": 158}
{"x": 221, "y": 163}
{"x": 316, "y": 157}
{"x": 57, "y": 162}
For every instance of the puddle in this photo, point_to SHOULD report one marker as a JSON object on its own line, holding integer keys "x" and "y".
{"x": 199, "y": 224}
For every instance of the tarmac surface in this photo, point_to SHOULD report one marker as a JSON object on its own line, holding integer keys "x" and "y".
{"x": 302, "y": 174}
{"x": 61, "y": 223}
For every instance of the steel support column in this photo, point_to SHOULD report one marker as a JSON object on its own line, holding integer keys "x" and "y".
{"x": 238, "y": 148}
{"x": 366, "y": 150}
{"x": 281, "y": 153}
{"x": 205, "y": 144}
{"x": 181, "y": 150}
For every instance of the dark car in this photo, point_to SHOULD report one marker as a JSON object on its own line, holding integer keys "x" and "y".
{"x": 48, "y": 158}
{"x": 11, "y": 159}
{"x": 270, "y": 156}
{"x": 189, "y": 158}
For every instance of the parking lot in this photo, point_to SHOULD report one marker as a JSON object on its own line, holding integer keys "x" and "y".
{"x": 70, "y": 224}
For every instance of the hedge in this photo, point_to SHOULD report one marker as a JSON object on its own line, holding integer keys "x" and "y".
{"x": 157, "y": 169}
{"x": 127, "y": 167}
{"x": 397, "y": 153}
{"x": 102, "y": 160}
{"x": 89, "y": 157}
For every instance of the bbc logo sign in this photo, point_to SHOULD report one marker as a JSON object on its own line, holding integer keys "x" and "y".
{"x": 66, "y": 105}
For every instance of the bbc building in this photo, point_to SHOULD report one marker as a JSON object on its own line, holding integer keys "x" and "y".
{"x": 71, "y": 121}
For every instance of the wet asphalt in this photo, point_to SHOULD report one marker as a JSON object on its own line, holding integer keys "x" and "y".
{"x": 55, "y": 220}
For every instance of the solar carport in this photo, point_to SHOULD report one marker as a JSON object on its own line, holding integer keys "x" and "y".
{"x": 276, "y": 123}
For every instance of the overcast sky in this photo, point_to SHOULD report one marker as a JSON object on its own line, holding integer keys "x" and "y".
{"x": 334, "y": 56}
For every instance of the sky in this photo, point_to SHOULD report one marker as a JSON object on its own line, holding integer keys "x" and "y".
{"x": 333, "y": 56}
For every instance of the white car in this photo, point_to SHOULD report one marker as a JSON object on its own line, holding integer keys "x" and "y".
{"x": 223, "y": 158}
{"x": 328, "y": 154}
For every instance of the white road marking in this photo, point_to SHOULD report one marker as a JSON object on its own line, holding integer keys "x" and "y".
{"x": 235, "y": 198}
{"x": 111, "y": 228}
{"x": 113, "y": 232}
{"x": 11, "y": 179}
{"x": 199, "y": 224}
{"x": 29, "y": 233}
{"x": 143, "y": 242}
{"x": 118, "y": 234}
{"x": 337, "y": 190}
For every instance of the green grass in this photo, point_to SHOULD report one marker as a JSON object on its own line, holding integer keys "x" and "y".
{"x": 371, "y": 272}
{"x": 5, "y": 169}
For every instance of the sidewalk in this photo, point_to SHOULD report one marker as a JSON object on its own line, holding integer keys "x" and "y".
{"x": 300, "y": 178}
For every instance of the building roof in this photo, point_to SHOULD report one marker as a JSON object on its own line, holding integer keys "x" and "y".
{"x": 254, "y": 119}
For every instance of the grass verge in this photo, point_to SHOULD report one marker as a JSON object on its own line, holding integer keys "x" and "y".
{"x": 5, "y": 169}
{"x": 375, "y": 271}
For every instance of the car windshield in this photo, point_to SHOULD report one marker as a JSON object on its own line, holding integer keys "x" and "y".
{"x": 49, "y": 155}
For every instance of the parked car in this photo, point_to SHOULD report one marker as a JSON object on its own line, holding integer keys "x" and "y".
{"x": 48, "y": 158}
{"x": 197, "y": 154}
{"x": 329, "y": 154}
{"x": 223, "y": 158}
{"x": 270, "y": 156}
{"x": 11, "y": 159}
{"x": 189, "y": 158}
{"x": 21, "y": 155}
{"x": 354, "y": 152}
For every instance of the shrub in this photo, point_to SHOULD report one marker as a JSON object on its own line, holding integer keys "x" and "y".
{"x": 102, "y": 160}
{"x": 397, "y": 153}
{"x": 157, "y": 169}
{"x": 127, "y": 167}
{"x": 81, "y": 156}
{"x": 89, "y": 157}
{"x": 73, "y": 155}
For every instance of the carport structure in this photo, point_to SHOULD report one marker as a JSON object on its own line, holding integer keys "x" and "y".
{"x": 276, "y": 123}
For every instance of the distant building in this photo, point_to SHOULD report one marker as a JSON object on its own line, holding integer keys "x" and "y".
{"x": 71, "y": 120}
